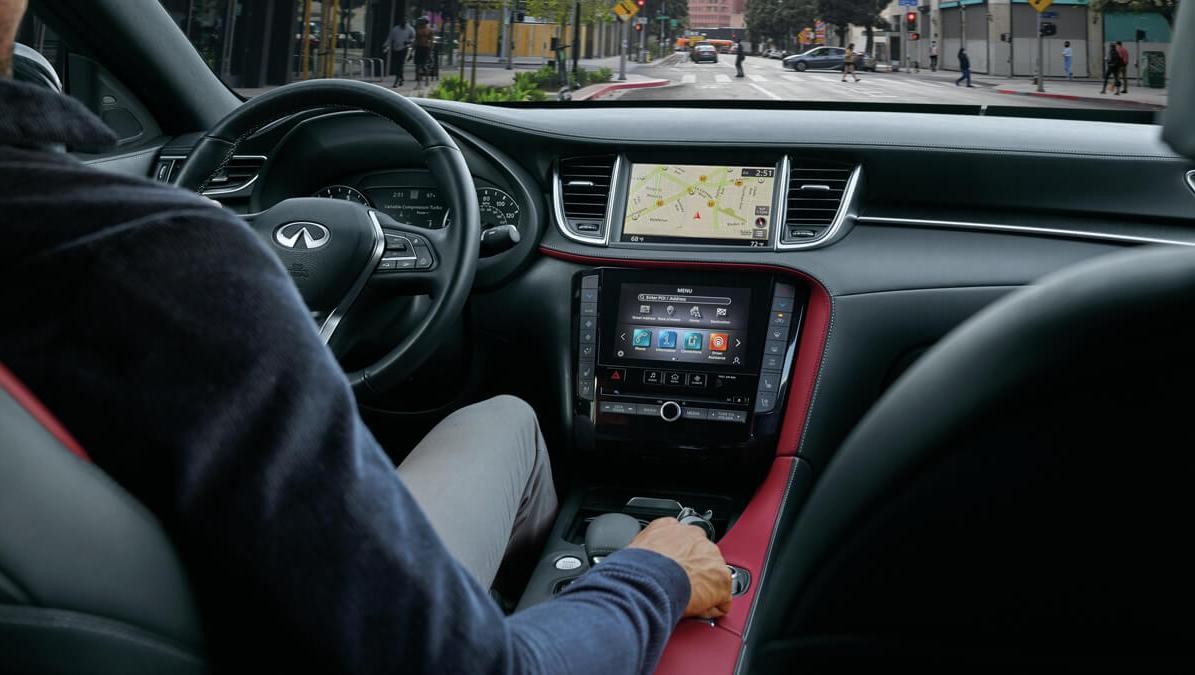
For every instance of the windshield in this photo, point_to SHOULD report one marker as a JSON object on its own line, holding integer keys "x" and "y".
{"x": 1094, "y": 53}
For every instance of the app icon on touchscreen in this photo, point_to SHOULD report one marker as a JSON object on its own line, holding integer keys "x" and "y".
{"x": 719, "y": 341}
{"x": 641, "y": 338}
{"x": 693, "y": 341}
{"x": 666, "y": 339}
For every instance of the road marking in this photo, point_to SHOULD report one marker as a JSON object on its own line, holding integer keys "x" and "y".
{"x": 689, "y": 79}
{"x": 765, "y": 91}
{"x": 725, "y": 79}
{"x": 791, "y": 78}
{"x": 757, "y": 78}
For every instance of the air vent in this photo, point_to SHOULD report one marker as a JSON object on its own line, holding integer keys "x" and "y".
{"x": 815, "y": 193}
{"x": 584, "y": 195}
{"x": 240, "y": 172}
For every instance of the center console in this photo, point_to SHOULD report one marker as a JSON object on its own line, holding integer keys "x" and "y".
{"x": 682, "y": 359}
{"x": 680, "y": 379}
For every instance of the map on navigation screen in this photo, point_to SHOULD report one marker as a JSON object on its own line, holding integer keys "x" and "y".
{"x": 669, "y": 201}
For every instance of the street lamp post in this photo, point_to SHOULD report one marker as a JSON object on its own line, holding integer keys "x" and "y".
{"x": 622, "y": 53}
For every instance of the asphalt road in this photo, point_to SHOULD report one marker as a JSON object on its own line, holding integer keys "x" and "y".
{"x": 766, "y": 79}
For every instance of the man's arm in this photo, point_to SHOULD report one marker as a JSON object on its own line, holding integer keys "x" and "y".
{"x": 180, "y": 353}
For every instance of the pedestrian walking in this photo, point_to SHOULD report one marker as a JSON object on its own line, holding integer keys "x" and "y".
{"x": 1067, "y": 59}
{"x": 848, "y": 63}
{"x": 424, "y": 39}
{"x": 964, "y": 65}
{"x": 933, "y": 56}
{"x": 1112, "y": 65}
{"x": 739, "y": 58}
{"x": 1124, "y": 66}
{"x": 398, "y": 42}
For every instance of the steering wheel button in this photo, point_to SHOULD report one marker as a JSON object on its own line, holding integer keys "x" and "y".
{"x": 396, "y": 243}
{"x": 406, "y": 263}
{"x": 387, "y": 264}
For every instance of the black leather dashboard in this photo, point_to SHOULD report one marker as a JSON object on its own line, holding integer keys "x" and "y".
{"x": 956, "y": 210}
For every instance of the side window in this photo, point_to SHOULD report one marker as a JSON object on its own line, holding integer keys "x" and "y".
{"x": 43, "y": 57}
{"x": 36, "y": 38}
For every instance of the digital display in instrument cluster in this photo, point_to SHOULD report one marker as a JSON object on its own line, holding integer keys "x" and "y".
{"x": 422, "y": 206}
{"x": 418, "y": 206}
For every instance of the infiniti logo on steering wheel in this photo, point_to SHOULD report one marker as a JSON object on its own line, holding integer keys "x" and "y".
{"x": 302, "y": 234}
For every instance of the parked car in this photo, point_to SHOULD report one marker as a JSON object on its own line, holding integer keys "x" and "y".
{"x": 773, "y": 54}
{"x": 702, "y": 53}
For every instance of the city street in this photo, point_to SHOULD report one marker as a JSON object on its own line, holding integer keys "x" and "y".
{"x": 766, "y": 79}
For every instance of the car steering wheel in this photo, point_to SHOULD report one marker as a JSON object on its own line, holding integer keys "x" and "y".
{"x": 333, "y": 249}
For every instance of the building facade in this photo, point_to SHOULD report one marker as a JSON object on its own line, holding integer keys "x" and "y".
{"x": 717, "y": 13}
{"x": 1000, "y": 36}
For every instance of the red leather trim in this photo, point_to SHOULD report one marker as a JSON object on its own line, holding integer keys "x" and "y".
{"x": 695, "y": 646}
{"x": 39, "y": 412}
{"x": 746, "y": 544}
{"x": 810, "y": 347}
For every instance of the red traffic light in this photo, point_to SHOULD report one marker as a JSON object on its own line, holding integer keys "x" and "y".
{"x": 642, "y": 2}
{"x": 915, "y": 36}
{"x": 911, "y": 21}
{"x": 638, "y": 28}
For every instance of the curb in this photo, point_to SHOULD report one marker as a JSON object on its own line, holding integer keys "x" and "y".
{"x": 602, "y": 90}
{"x": 1073, "y": 97}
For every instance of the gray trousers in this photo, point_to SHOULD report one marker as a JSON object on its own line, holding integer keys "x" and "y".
{"x": 483, "y": 478}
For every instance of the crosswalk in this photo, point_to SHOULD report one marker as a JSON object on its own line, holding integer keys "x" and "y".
{"x": 784, "y": 84}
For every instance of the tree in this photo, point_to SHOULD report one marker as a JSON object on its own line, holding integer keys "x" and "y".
{"x": 1167, "y": 8}
{"x": 842, "y": 13}
{"x": 778, "y": 20}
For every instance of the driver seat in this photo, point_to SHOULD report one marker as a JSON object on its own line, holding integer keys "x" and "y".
{"x": 89, "y": 582}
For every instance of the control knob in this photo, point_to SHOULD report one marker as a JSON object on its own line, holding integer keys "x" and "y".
{"x": 670, "y": 411}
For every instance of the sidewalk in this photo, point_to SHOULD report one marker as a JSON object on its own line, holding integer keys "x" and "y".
{"x": 1079, "y": 89}
{"x": 1089, "y": 91}
{"x": 490, "y": 73}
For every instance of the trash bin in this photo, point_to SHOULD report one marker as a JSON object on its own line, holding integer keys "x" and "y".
{"x": 1155, "y": 69}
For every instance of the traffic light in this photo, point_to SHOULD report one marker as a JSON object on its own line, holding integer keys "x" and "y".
{"x": 638, "y": 28}
{"x": 914, "y": 36}
{"x": 1049, "y": 29}
{"x": 641, "y": 3}
{"x": 911, "y": 21}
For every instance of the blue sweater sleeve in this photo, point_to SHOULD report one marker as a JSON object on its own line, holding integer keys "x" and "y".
{"x": 179, "y": 352}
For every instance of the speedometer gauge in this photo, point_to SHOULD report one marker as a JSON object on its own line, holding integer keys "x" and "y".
{"x": 342, "y": 192}
{"x": 497, "y": 208}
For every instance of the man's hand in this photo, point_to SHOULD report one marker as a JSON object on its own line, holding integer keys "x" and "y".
{"x": 709, "y": 578}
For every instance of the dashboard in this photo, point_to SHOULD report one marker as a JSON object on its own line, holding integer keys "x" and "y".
{"x": 704, "y": 310}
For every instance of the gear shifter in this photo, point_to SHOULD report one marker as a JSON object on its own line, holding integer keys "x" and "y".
{"x": 689, "y": 516}
{"x": 608, "y": 533}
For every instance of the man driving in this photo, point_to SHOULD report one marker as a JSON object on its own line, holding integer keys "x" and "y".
{"x": 174, "y": 346}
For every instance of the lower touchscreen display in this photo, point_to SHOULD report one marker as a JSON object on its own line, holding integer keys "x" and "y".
{"x": 699, "y": 204}
{"x": 691, "y": 325}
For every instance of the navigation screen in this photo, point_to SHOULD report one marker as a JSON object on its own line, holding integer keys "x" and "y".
{"x": 702, "y": 204}
{"x": 695, "y": 324}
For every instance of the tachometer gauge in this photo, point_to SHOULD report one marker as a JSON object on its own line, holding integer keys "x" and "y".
{"x": 342, "y": 192}
{"x": 497, "y": 208}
